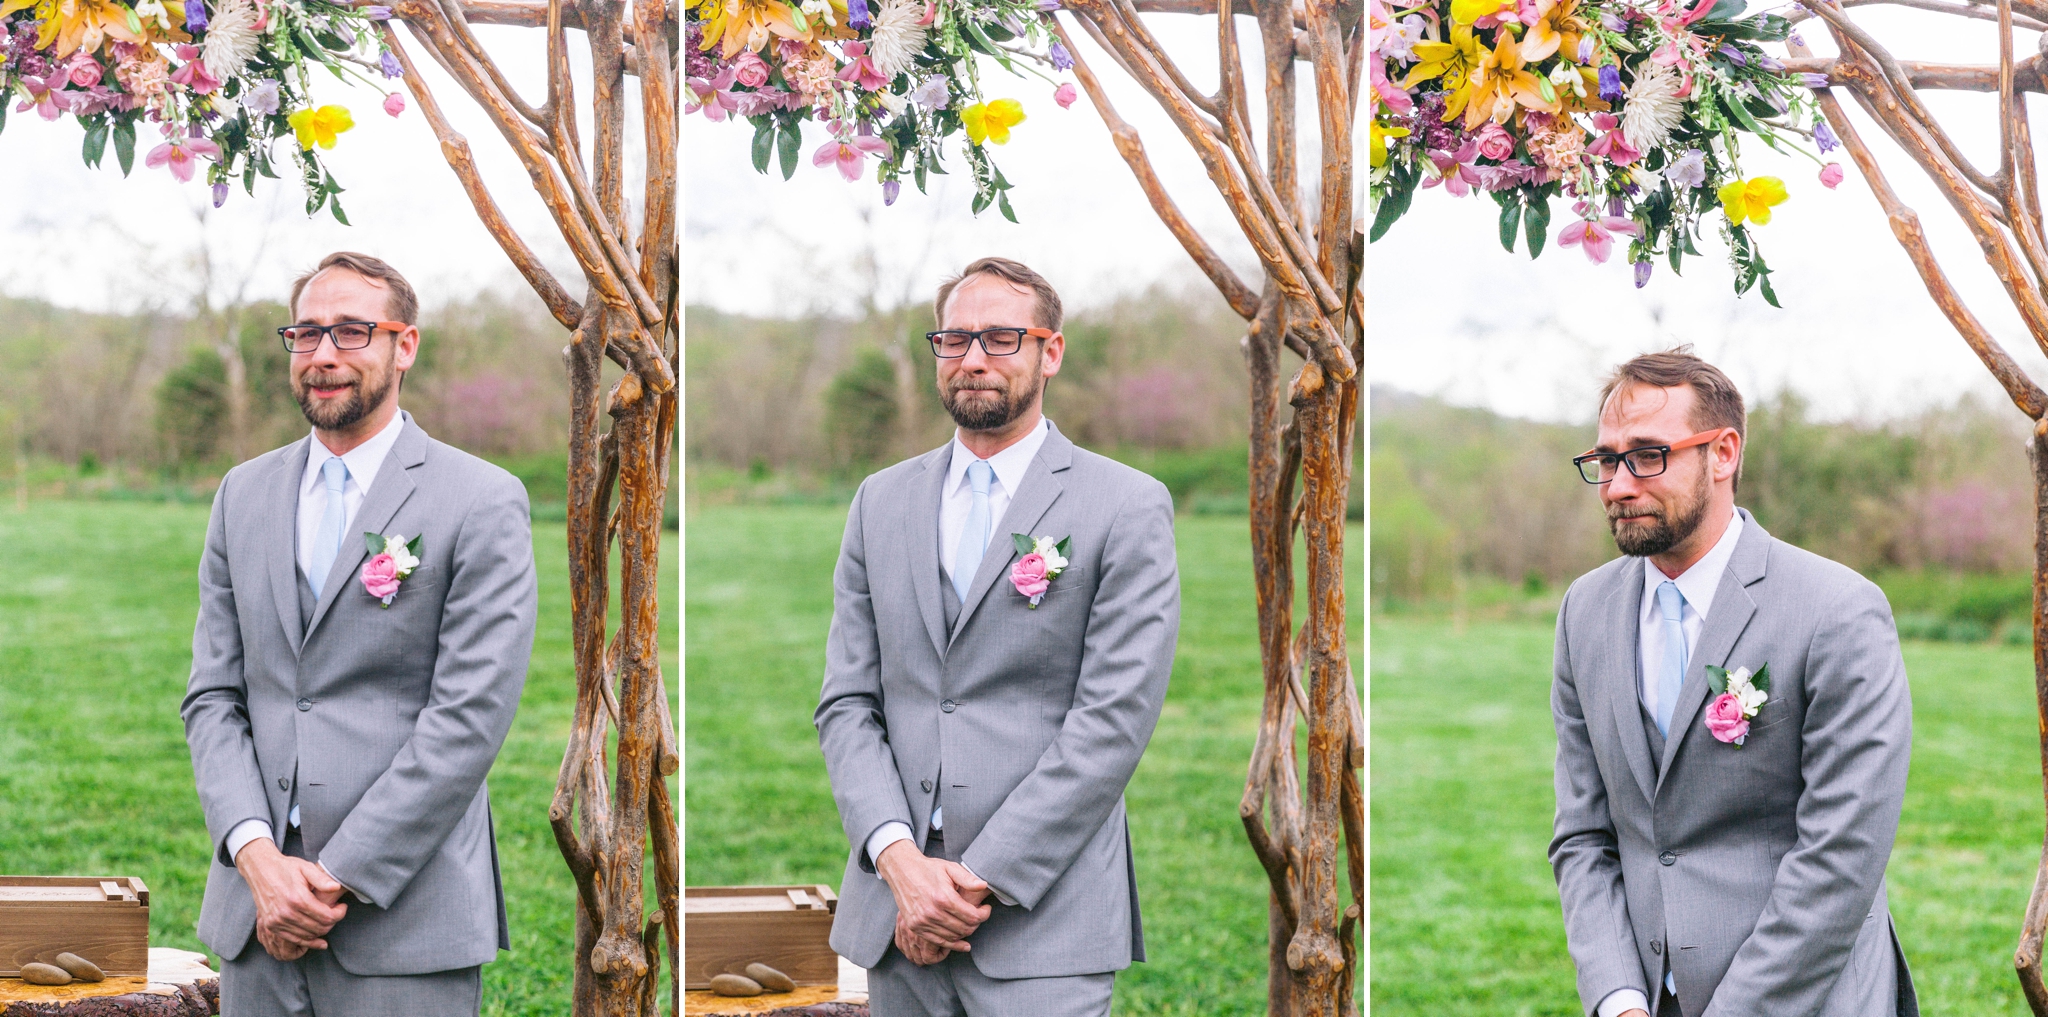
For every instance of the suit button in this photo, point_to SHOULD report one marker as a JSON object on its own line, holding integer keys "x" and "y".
{"x": 1656, "y": 946}
{"x": 283, "y": 784}
{"x": 925, "y": 785}
{"x": 947, "y": 706}
{"x": 305, "y": 704}
{"x": 1668, "y": 858}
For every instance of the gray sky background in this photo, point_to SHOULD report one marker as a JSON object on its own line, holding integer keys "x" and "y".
{"x": 1454, "y": 315}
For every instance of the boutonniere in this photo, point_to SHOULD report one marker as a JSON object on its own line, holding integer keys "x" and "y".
{"x": 1044, "y": 559}
{"x": 392, "y": 559}
{"x": 1739, "y": 695}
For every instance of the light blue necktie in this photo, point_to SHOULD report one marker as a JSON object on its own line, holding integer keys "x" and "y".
{"x": 974, "y": 536}
{"x": 1671, "y": 675}
{"x": 327, "y": 544}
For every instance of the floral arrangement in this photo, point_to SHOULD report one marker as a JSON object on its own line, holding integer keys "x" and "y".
{"x": 1632, "y": 110}
{"x": 892, "y": 79}
{"x": 221, "y": 81}
{"x": 1738, "y": 695}
{"x": 1044, "y": 558}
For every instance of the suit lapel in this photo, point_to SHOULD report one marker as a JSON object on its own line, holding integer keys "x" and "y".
{"x": 1625, "y": 608}
{"x": 1733, "y": 608}
{"x": 282, "y": 542}
{"x": 924, "y": 543}
{"x": 394, "y": 485}
{"x": 1041, "y": 487}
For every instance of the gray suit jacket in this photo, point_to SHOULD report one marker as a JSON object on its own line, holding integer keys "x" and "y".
{"x": 1031, "y": 719}
{"x": 380, "y": 722}
{"x": 1763, "y": 865}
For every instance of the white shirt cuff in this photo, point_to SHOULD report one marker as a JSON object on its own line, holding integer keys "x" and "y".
{"x": 245, "y": 831}
{"x": 1000, "y": 895}
{"x": 1621, "y": 1001}
{"x": 330, "y": 875}
{"x": 889, "y": 833}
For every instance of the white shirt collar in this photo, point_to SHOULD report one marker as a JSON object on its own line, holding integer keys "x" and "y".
{"x": 363, "y": 461}
{"x": 1010, "y": 464}
{"x": 1698, "y": 583}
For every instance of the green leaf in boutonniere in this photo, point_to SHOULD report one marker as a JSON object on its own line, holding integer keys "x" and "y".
{"x": 375, "y": 542}
{"x": 413, "y": 546}
{"x": 1062, "y": 546}
{"x": 1717, "y": 679}
{"x": 1022, "y": 542}
{"x": 1761, "y": 680}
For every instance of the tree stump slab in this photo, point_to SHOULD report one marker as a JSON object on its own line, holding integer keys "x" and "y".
{"x": 849, "y": 998}
{"x": 179, "y": 985}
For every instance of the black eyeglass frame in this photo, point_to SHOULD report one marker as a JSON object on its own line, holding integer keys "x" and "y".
{"x": 327, "y": 333}
{"x": 981, "y": 336}
{"x": 1628, "y": 458}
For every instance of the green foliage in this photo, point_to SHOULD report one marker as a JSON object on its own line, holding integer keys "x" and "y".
{"x": 192, "y": 406}
{"x": 760, "y": 807}
{"x": 861, "y": 411}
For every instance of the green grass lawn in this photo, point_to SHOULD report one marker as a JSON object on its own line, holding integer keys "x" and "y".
{"x": 760, "y": 807}
{"x": 97, "y": 601}
{"x": 1465, "y": 911}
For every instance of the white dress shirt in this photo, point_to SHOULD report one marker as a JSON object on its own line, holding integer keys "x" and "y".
{"x": 956, "y": 499}
{"x": 362, "y": 462}
{"x": 1696, "y": 586}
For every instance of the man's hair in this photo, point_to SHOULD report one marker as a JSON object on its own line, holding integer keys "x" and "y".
{"x": 1716, "y": 400}
{"x": 402, "y": 304}
{"x": 1046, "y": 310}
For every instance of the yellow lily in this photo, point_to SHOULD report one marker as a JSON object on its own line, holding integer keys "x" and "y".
{"x": 1451, "y": 60}
{"x": 1557, "y": 28}
{"x": 1498, "y": 83}
{"x": 1752, "y": 199}
{"x": 991, "y": 121}
{"x": 752, "y": 24}
{"x": 319, "y": 126}
{"x": 1465, "y": 12}
{"x": 1382, "y": 135}
{"x": 72, "y": 25}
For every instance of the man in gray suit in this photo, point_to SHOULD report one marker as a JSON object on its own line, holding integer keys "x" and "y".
{"x": 983, "y": 707}
{"x": 1721, "y": 838}
{"x": 346, "y": 700}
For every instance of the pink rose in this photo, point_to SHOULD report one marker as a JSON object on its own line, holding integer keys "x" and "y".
{"x": 1725, "y": 719}
{"x": 1064, "y": 95}
{"x": 85, "y": 71}
{"x": 750, "y": 69}
{"x": 1028, "y": 575}
{"x": 1495, "y": 143}
{"x": 380, "y": 576}
{"x": 1831, "y": 175}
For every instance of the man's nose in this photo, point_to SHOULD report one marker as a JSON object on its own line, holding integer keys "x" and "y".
{"x": 1624, "y": 484}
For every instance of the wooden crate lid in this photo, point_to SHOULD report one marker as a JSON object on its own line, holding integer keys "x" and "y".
{"x": 729, "y": 899}
{"x": 74, "y": 891}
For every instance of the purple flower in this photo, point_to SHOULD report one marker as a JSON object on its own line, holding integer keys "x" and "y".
{"x": 378, "y": 13}
{"x": 857, "y": 15}
{"x": 1061, "y": 59}
{"x": 766, "y": 99}
{"x": 932, "y": 93}
{"x": 1689, "y": 170}
{"x": 1824, "y": 136}
{"x": 1734, "y": 55}
{"x": 1048, "y": 5}
{"x": 390, "y": 65}
{"x": 1613, "y": 22}
{"x": 1585, "y": 48}
{"x": 220, "y": 194}
{"x": 1797, "y": 40}
{"x": 890, "y": 189}
{"x": 1770, "y": 63}
{"x": 1814, "y": 81}
{"x": 1610, "y": 82}
{"x": 1642, "y": 274}
{"x": 195, "y": 15}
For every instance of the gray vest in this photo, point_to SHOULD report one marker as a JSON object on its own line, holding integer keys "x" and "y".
{"x": 949, "y": 600}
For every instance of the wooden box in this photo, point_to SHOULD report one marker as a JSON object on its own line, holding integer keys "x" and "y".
{"x": 725, "y": 928}
{"x": 105, "y": 921}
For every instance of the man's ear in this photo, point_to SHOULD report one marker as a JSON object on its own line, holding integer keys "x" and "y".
{"x": 1052, "y": 353}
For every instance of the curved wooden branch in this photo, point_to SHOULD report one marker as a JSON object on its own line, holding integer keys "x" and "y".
{"x": 1125, "y": 137}
{"x": 452, "y": 11}
{"x": 1210, "y": 104}
{"x": 658, "y": 265}
{"x": 1335, "y": 104}
{"x": 1902, "y": 84}
{"x": 2027, "y": 958}
{"x": 1951, "y": 77}
{"x": 455, "y": 148}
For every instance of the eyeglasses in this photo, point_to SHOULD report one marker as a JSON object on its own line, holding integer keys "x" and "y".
{"x": 1645, "y": 462}
{"x": 347, "y": 335}
{"x": 950, "y": 344}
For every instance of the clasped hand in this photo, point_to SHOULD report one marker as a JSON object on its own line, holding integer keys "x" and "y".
{"x": 938, "y": 903}
{"x": 297, "y": 902}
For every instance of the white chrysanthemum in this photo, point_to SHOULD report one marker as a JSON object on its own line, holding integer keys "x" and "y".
{"x": 898, "y": 37}
{"x": 231, "y": 38}
{"x": 402, "y": 560}
{"x": 1654, "y": 108}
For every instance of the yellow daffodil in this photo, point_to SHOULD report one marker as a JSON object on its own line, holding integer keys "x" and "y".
{"x": 1497, "y": 84}
{"x": 992, "y": 121}
{"x": 319, "y": 126}
{"x": 1382, "y": 136}
{"x": 1557, "y": 28}
{"x": 1751, "y": 199}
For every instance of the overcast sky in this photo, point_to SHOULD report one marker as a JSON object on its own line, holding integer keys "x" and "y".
{"x": 1455, "y": 315}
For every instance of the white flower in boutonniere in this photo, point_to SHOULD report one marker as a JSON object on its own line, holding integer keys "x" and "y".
{"x": 1044, "y": 559}
{"x": 1740, "y": 695}
{"x": 392, "y": 559}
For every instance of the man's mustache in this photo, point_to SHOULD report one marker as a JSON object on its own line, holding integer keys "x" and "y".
{"x": 327, "y": 381}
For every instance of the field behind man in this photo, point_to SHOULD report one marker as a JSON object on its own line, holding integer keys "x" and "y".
{"x": 1478, "y": 521}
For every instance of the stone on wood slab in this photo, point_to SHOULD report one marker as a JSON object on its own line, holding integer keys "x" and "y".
{"x": 80, "y": 968}
{"x": 770, "y": 979}
{"x": 735, "y": 985}
{"x": 38, "y": 973}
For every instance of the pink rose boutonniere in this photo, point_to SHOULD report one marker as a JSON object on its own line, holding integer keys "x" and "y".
{"x": 1738, "y": 696}
{"x": 1044, "y": 559}
{"x": 392, "y": 559}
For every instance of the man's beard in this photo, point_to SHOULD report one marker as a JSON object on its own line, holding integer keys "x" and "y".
{"x": 341, "y": 414}
{"x": 989, "y": 414}
{"x": 1670, "y": 529}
